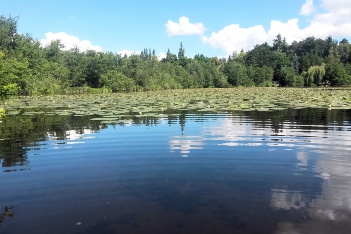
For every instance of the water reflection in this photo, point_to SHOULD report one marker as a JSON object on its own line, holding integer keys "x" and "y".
{"x": 333, "y": 203}
{"x": 289, "y": 199}
{"x": 186, "y": 144}
{"x": 71, "y": 137}
{"x": 250, "y": 172}
{"x": 20, "y": 134}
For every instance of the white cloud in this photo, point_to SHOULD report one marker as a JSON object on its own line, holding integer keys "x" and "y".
{"x": 127, "y": 52}
{"x": 234, "y": 38}
{"x": 334, "y": 20}
{"x": 69, "y": 41}
{"x": 307, "y": 8}
{"x": 184, "y": 27}
{"x": 336, "y": 4}
{"x": 161, "y": 56}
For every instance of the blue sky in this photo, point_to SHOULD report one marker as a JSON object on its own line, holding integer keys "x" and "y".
{"x": 212, "y": 28}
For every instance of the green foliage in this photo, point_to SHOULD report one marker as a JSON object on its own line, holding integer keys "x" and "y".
{"x": 170, "y": 57}
{"x": 10, "y": 89}
{"x": 260, "y": 75}
{"x": 314, "y": 75}
{"x": 259, "y": 56}
{"x": 344, "y": 52}
{"x": 237, "y": 74}
{"x": 298, "y": 81}
{"x": 279, "y": 44}
{"x": 335, "y": 73}
{"x": 26, "y": 67}
{"x": 288, "y": 77}
{"x": 2, "y": 112}
{"x": 8, "y": 33}
{"x": 12, "y": 72}
{"x": 181, "y": 53}
{"x": 46, "y": 85}
{"x": 117, "y": 82}
{"x": 280, "y": 61}
{"x": 53, "y": 51}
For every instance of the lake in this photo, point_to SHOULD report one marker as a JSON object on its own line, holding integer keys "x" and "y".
{"x": 282, "y": 171}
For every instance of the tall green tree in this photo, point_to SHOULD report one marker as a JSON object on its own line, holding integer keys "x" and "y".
{"x": 8, "y": 33}
{"x": 259, "y": 56}
{"x": 237, "y": 74}
{"x": 289, "y": 78}
{"x": 261, "y": 76}
{"x": 279, "y": 44}
{"x": 315, "y": 75}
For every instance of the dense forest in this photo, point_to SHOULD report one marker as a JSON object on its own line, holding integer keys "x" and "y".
{"x": 26, "y": 67}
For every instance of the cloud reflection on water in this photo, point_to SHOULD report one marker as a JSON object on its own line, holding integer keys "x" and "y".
{"x": 185, "y": 144}
{"x": 322, "y": 149}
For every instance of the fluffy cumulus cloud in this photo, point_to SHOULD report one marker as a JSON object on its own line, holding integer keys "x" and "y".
{"x": 184, "y": 27}
{"x": 69, "y": 41}
{"x": 127, "y": 52}
{"x": 160, "y": 56}
{"x": 307, "y": 8}
{"x": 234, "y": 38}
{"x": 327, "y": 18}
{"x": 336, "y": 19}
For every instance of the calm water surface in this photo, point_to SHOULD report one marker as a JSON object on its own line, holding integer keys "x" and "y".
{"x": 242, "y": 172}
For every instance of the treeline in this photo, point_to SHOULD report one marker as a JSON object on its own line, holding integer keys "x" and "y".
{"x": 26, "y": 67}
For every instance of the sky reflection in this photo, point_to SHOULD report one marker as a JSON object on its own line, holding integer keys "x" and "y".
{"x": 324, "y": 150}
{"x": 294, "y": 176}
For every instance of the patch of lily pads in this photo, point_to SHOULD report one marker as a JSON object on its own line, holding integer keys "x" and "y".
{"x": 121, "y": 107}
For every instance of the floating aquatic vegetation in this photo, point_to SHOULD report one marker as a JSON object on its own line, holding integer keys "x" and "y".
{"x": 111, "y": 107}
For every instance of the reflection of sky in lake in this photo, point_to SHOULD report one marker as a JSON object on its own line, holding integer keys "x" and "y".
{"x": 299, "y": 172}
{"x": 325, "y": 151}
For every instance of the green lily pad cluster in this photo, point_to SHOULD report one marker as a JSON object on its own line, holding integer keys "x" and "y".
{"x": 2, "y": 112}
{"x": 125, "y": 106}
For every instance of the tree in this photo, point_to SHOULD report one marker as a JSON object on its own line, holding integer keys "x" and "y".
{"x": 281, "y": 61}
{"x": 116, "y": 81}
{"x": 288, "y": 78}
{"x": 344, "y": 51}
{"x": 280, "y": 44}
{"x": 237, "y": 74}
{"x": 315, "y": 75}
{"x": 8, "y": 33}
{"x": 182, "y": 60}
{"x": 261, "y": 76}
{"x": 197, "y": 73}
{"x": 295, "y": 64}
{"x": 259, "y": 56}
{"x": 11, "y": 72}
{"x": 181, "y": 53}
{"x": 335, "y": 73}
{"x": 75, "y": 62}
{"x": 310, "y": 59}
{"x": 170, "y": 57}
{"x": 53, "y": 51}
{"x": 93, "y": 68}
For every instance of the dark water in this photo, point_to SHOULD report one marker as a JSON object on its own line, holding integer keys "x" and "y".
{"x": 243, "y": 172}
